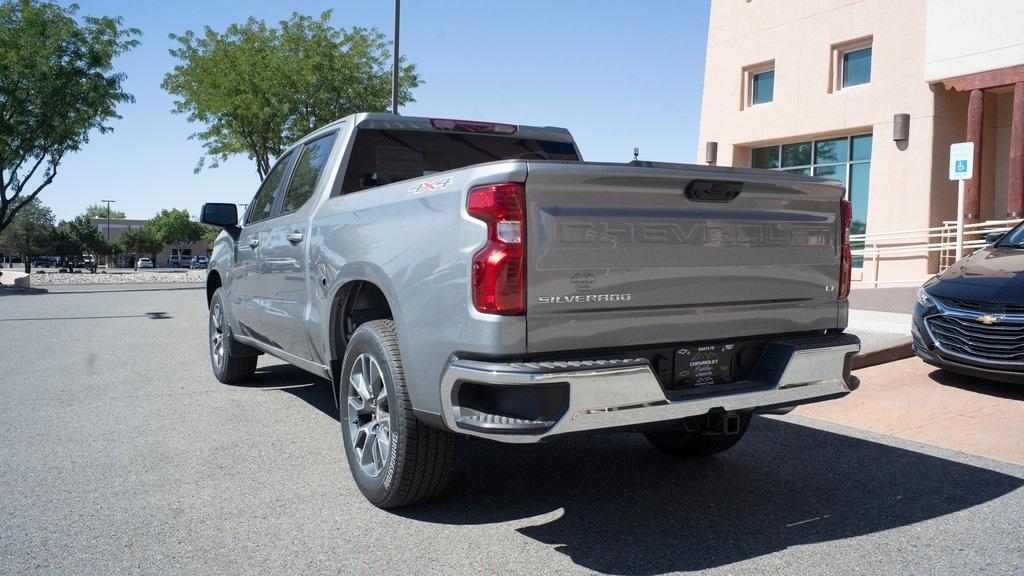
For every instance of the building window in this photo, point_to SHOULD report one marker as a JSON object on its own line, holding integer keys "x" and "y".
{"x": 762, "y": 89}
{"x": 857, "y": 67}
{"x": 846, "y": 159}
{"x": 758, "y": 84}
{"x": 851, "y": 64}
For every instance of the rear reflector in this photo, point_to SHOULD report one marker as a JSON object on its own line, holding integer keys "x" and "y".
{"x": 499, "y": 268}
{"x": 846, "y": 258}
{"x": 470, "y": 126}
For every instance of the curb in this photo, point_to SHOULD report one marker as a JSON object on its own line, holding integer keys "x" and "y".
{"x": 20, "y": 290}
{"x": 122, "y": 287}
{"x": 897, "y": 350}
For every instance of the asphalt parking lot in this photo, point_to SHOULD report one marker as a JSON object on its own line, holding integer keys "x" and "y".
{"x": 121, "y": 454}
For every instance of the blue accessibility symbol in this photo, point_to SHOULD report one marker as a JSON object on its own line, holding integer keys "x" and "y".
{"x": 961, "y": 165}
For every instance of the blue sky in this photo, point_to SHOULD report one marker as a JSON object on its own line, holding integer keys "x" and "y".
{"x": 617, "y": 74}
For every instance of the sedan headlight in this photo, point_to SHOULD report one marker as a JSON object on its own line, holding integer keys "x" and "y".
{"x": 924, "y": 299}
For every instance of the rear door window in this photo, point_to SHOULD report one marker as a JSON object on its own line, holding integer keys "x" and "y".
{"x": 307, "y": 172}
{"x": 263, "y": 204}
{"x": 382, "y": 157}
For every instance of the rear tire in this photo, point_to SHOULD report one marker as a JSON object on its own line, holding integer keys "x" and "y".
{"x": 395, "y": 459}
{"x": 690, "y": 444}
{"x": 227, "y": 367}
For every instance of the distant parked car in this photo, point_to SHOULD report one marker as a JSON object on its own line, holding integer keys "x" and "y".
{"x": 144, "y": 263}
{"x": 970, "y": 319}
{"x": 174, "y": 261}
{"x": 87, "y": 261}
{"x": 200, "y": 262}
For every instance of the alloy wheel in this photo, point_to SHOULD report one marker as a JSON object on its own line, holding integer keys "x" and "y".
{"x": 369, "y": 419}
{"x": 217, "y": 335}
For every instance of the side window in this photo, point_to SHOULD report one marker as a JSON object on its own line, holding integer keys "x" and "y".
{"x": 306, "y": 173}
{"x": 263, "y": 203}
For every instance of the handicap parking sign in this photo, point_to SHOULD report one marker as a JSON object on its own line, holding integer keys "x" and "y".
{"x": 961, "y": 160}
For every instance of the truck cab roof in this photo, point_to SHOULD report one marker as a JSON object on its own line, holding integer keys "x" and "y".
{"x": 388, "y": 121}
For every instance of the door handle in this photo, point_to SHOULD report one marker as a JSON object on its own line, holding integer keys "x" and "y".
{"x": 254, "y": 242}
{"x": 295, "y": 237}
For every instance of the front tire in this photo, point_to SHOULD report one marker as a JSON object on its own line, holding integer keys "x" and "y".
{"x": 395, "y": 459}
{"x": 227, "y": 367}
{"x": 684, "y": 443}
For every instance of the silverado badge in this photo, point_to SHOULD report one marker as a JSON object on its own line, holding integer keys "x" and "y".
{"x": 989, "y": 319}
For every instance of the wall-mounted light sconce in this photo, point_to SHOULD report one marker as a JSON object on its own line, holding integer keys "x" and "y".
{"x": 711, "y": 153}
{"x": 900, "y": 127}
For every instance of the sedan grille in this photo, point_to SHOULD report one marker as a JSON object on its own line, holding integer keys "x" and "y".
{"x": 981, "y": 307}
{"x": 1000, "y": 343}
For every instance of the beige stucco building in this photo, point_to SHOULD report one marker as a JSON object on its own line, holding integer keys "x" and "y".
{"x": 873, "y": 92}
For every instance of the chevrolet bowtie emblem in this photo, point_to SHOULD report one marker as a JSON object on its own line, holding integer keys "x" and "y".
{"x": 989, "y": 319}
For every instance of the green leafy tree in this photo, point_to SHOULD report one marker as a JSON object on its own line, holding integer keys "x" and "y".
{"x": 30, "y": 234}
{"x": 136, "y": 241}
{"x": 256, "y": 87}
{"x": 174, "y": 226}
{"x": 76, "y": 237}
{"x": 65, "y": 243}
{"x": 89, "y": 235}
{"x": 57, "y": 85}
{"x": 100, "y": 211}
{"x": 210, "y": 234}
{"x": 129, "y": 242}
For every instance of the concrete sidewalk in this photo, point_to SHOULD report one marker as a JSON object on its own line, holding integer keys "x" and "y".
{"x": 915, "y": 401}
{"x": 898, "y": 299}
{"x": 881, "y": 317}
{"x": 879, "y": 330}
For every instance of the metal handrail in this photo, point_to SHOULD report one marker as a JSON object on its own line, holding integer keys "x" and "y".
{"x": 937, "y": 230}
{"x": 912, "y": 242}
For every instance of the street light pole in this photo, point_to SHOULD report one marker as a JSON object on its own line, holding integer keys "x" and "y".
{"x": 109, "y": 202}
{"x": 394, "y": 65}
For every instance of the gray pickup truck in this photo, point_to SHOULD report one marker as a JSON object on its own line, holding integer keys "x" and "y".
{"x": 466, "y": 278}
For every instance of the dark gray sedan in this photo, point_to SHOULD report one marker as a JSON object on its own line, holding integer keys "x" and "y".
{"x": 970, "y": 319}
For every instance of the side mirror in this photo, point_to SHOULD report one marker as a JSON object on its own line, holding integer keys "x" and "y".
{"x": 993, "y": 237}
{"x": 220, "y": 214}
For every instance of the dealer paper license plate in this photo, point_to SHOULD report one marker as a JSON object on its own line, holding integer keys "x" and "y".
{"x": 704, "y": 365}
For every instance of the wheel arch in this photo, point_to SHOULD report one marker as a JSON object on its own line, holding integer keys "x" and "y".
{"x": 355, "y": 302}
{"x": 213, "y": 281}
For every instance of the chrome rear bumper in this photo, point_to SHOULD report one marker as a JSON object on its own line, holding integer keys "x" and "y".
{"x": 626, "y": 392}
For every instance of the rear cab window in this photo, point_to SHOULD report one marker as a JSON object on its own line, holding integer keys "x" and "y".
{"x": 381, "y": 157}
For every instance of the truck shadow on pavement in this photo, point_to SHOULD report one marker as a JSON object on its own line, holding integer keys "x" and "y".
{"x": 627, "y": 509}
{"x": 311, "y": 389}
{"x": 624, "y": 508}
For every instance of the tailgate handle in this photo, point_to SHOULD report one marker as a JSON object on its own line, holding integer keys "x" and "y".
{"x": 713, "y": 190}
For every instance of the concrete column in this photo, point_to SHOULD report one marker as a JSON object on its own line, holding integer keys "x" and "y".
{"x": 1015, "y": 187}
{"x": 972, "y": 188}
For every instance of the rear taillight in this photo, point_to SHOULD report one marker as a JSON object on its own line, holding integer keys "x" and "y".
{"x": 499, "y": 268}
{"x": 846, "y": 259}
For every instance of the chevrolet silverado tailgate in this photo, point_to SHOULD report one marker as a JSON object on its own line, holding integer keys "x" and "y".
{"x": 623, "y": 255}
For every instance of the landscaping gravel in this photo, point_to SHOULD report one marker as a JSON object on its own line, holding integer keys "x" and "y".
{"x": 46, "y": 278}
